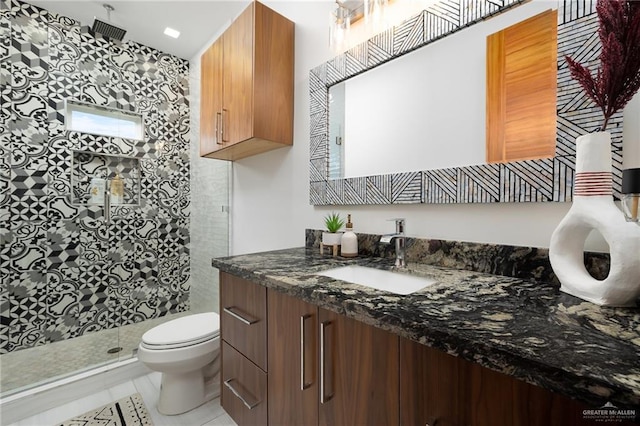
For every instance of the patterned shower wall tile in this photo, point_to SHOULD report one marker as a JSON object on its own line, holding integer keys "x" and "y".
{"x": 138, "y": 229}
{"x": 59, "y": 183}
{"x": 29, "y": 167}
{"x": 6, "y": 112}
{"x": 25, "y": 182}
{"x": 61, "y": 86}
{"x": 5, "y": 54}
{"x": 5, "y": 155}
{"x": 168, "y": 270}
{"x": 19, "y": 8}
{"x": 28, "y": 209}
{"x": 64, "y": 42}
{"x": 96, "y": 317}
{"x": 30, "y": 106}
{"x": 170, "y": 301}
{"x": 94, "y": 241}
{"x": 27, "y": 293}
{"x": 100, "y": 92}
{"x": 27, "y": 131}
{"x": 29, "y": 69}
{"x": 4, "y": 318}
{"x": 26, "y": 336}
{"x": 28, "y": 250}
{"x": 184, "y": 274}
{"x": 138, "y": 301}
{"x": 63, "y": 238}
{"x": 47, "y": 62}
{"x": 171, "y": 199}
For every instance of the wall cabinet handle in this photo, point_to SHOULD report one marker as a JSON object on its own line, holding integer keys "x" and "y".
{"x": 218, "y": 136}
{"x": 224, "y": 111}
{"x": 238, "y": 392}
{"x": 107, "y": 202}
{"x": 323, "y": 395}
{"x": 303, "y": 383}
{"x": 244, "y": 318}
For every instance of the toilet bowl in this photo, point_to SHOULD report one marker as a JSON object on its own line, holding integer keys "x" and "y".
{"x": 186, "y": 351}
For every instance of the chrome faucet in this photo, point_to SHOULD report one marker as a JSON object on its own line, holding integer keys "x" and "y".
{"x": 399, "y": 236}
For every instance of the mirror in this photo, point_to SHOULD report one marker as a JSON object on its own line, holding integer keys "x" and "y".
{"x": 383, "y": 67}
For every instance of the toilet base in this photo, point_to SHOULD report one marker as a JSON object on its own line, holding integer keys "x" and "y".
{"x": 180, "y": 393}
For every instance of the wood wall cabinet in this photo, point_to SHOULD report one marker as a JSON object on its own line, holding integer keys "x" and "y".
{"x": 247, "y": 79}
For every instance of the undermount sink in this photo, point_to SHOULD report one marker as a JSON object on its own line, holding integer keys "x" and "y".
{"x": 393, "y": 282}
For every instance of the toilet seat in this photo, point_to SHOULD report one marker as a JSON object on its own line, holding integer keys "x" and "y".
{"x": 183, "y": 332}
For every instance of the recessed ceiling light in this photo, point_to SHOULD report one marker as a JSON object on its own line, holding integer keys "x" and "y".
{"x": 171, "y": 32}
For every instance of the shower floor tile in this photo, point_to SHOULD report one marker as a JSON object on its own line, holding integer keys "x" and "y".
{"x": 41, "y": 364}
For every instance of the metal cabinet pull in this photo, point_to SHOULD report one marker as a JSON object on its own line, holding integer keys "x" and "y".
{"x": 236, "y": 392}
{"x": 218, "y": 136}
{"x": 303, "y": 383}
{"x": 248, "y": 321}
{"x": 224, "y": 111}
{"x": 107, "y": 201}
{"x": 323, "y": 397}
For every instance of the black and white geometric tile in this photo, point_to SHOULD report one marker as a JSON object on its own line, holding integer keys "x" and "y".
{"x": 65, "y": 271}
{"x": 523, "y": 181}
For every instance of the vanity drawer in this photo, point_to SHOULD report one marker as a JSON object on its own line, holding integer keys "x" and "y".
{"x": 244, "y": 388}
{"x": 243, "y": 320}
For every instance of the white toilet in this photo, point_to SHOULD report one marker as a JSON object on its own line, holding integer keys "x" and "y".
{"x": 186, "y": 351}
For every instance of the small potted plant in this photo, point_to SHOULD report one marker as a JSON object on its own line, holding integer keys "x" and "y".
{"x": 333, "y": 223}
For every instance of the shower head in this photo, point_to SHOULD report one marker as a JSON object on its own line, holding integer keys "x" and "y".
{"x": 106, "y": 28}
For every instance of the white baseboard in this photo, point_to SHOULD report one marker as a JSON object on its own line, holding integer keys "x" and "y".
{"x": 21, "y": 405}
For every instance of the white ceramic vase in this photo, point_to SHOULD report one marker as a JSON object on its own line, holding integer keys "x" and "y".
{"x": 593, "y": 208}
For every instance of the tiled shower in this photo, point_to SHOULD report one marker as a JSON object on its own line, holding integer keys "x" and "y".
{"x": 68, "y": 274}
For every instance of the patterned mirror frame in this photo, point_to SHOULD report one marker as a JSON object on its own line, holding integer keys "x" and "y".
{"x": 521, "y": 181}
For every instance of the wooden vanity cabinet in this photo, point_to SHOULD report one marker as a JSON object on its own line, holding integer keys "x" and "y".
{"x": 443, "y": 390}
{"x": 293, "y": 360}
{"x": 359, "y": 369}
{"x": 288, "y": 362}
{"x": 243, "y": 331}
{"x": 327, "y": 369}
{"x": 247, "y": 79}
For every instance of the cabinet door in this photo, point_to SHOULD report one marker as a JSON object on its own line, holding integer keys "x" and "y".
{"x": 237, "y": 110}
{"x": 243, "y": 320}
{"x": 211, "y": 98}
{"x": 292, "y": 348}
{"x": 358, "y": 373}
{"x": 443, "y": 390}
{"x": 433, "y": 386}
{"x": 244, "y": 388}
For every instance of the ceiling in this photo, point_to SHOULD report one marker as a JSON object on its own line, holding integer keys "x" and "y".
{"x": 145, "y": 21}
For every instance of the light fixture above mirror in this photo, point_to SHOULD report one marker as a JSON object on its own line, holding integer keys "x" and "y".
{"x": 353, "y": 21}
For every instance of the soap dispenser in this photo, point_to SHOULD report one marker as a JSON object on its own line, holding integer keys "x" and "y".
{"x": 349, "y": 243}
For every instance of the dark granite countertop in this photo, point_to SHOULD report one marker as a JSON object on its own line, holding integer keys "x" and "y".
{"x": 523, "y": 328}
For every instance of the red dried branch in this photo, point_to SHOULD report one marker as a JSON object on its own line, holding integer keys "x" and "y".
{"x": 617, "y": 78}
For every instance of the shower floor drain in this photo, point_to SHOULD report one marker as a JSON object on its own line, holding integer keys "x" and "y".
{"x": 114, "y": 350}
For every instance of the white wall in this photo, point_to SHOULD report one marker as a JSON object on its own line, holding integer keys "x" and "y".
{"x": 270, "y": 194}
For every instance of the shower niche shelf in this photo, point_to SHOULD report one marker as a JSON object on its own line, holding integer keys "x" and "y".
{"x": 91, "y": 172}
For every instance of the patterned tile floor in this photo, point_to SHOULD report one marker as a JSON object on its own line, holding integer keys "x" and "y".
{"x": 34, "y": 366}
